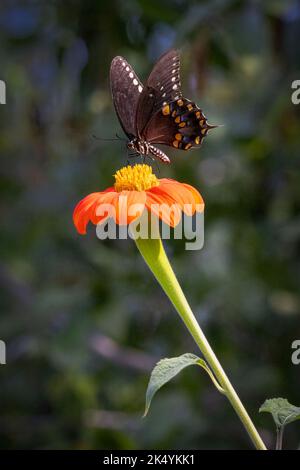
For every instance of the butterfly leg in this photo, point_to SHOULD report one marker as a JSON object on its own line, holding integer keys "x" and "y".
{"x": 156, "y": 164}
{"x": 132, "y": 155}
{"x": 153, "y": 161}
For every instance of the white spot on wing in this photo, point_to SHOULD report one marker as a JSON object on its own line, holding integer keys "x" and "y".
{"x": 135, "y": 82}
{"x": 140, "y": 88}
{"x": 173, "y": 79}
{"x": 131, "y": 75}
{"x": 175, "y": 87}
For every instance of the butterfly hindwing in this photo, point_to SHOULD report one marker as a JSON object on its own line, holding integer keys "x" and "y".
{"x": 179, "y": 124}
{"x": 126, "y": 90}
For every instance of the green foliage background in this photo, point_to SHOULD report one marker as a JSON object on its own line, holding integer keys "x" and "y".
{"x": 83, "y": 320}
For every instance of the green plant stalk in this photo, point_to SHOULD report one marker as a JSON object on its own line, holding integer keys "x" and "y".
{"x": 279, "y": 437}
{"x": 153, "y": 252}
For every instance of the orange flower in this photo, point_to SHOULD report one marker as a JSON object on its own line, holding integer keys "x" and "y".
{"x": 137, "y": 188}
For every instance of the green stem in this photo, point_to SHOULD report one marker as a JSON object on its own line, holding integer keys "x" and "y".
{"x": 153, "y": 252}
{"x": 279, "y": 437}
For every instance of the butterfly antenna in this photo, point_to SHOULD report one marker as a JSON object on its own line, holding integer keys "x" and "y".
{"x": 120, "y": 138}
{"x": 107, "y": 140}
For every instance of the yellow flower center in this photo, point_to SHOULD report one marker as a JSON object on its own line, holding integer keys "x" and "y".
{"x": 135, "y": 178}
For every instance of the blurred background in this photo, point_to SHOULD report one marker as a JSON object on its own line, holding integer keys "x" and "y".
{"x": 83, "y": 320}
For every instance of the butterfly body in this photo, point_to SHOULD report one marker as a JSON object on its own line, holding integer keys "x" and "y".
{"x": 144, "y": 148}
{"x": 156, "y": 113}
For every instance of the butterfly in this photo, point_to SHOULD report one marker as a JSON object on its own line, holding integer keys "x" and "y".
{"x": 156, "y": 113}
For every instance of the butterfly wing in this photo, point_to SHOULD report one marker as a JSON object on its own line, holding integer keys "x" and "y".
{"x": 126, "y": 90}
{"x": 163, "y": 85}
{"x": 179, "y": 124}
{"x": 165, "y": 78}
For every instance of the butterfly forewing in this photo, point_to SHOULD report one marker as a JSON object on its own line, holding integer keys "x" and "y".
{"x": 145, "y": 110}
{"x": 163, "y": 86}
{"x": 165, "y": 78}
{"x": 126, "y": 89}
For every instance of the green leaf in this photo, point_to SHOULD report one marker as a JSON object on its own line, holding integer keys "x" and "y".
{"x": 168, "y": 368}
{"x": 282, "y": 411}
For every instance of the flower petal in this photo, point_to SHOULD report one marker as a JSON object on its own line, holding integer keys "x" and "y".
{"x": 85, "y": 209}
{"x": 129, "y": 206}
{"x": 197, "y": 197}
{"x": 185, "y": 195}
{"x": 105, "y": 207}
{"x": 164, "y": 207}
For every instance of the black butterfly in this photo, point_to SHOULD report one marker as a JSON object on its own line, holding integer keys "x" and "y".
{"x": 156, "y": 113}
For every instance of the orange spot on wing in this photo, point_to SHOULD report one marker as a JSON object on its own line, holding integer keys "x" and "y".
{"x": 166, "y": 110}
